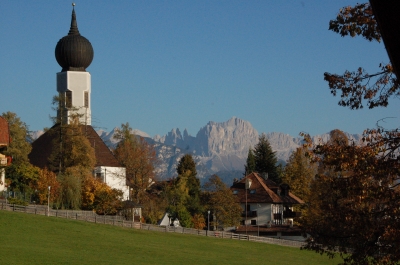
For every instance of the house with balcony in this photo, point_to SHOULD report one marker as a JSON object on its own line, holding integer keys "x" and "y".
{"x": 267, "y": 207}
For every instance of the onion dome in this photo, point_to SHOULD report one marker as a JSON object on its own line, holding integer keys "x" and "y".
{"x": 74, "y": 52}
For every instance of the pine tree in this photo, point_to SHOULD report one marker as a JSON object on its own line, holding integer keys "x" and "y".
{"x": 187, "y": 167}
{"x": 265, "y": 159}
{"x": 250, "y": 163}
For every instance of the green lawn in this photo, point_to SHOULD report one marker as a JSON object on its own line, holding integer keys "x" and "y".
{"x": 34, "y": 239}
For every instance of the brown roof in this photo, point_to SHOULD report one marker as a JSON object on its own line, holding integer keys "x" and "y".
{"x": 4, "y": 132}
{"x": 263, "y": 191}
{"x": 43, "y": 146}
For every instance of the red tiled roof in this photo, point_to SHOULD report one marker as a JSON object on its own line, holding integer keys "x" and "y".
{"x": 43, "y": 146}
{"x": 262, "y": 191}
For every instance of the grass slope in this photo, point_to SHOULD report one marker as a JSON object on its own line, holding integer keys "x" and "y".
{"x": 32, "y": 239}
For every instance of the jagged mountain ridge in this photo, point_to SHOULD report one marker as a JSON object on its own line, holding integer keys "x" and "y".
{"x": 218, "y": 148}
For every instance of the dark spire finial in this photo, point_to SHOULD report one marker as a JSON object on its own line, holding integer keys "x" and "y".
{"x": 74, "y": 26}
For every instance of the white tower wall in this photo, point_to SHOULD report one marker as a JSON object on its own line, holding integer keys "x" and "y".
{"x": 75, "y": 88}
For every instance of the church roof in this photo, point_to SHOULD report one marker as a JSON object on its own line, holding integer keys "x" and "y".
{"x": 74, "y": 52}
{"x": 43, "y": 146}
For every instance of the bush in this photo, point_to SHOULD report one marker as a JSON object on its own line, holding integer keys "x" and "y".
{"x": 17, "y": 201}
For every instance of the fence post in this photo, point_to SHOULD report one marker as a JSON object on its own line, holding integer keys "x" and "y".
{"x": 76, "y": 217}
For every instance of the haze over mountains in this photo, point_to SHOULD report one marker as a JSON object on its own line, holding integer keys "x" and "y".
{"x": 218, "y": 148}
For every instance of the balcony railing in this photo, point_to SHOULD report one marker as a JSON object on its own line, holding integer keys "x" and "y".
{"x": 290, "y": 214}
{"x": 286, "y": 214}
{"x": 249, "y": 214}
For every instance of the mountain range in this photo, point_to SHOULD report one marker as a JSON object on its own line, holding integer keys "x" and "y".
{"x": 218, "y": 148}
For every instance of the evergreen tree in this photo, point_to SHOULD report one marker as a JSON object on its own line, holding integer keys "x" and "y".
{"x": 186, "y": 166}
{"x": 250, "y": 163}
{"x": 265, "y": 159}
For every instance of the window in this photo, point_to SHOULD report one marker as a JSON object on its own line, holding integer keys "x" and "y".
{"x": 252, "y": 191}
{"x": 235, "y": 192}
{"x": 86, "y": 99}
{"x": 100, "y": 176}
{"x": 253, "y": 222}
{"x": 68, "y": 99}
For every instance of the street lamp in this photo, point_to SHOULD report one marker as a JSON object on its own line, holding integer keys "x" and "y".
{"x": 48, "y": 202}
{"x": 208, "y": 223}
{"x": 258, "y": 225}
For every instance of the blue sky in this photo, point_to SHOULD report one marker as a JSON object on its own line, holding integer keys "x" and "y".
{"x": 179, "y": 64}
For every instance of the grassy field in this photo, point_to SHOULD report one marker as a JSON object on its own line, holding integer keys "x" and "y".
{"x": 33, "y": 239}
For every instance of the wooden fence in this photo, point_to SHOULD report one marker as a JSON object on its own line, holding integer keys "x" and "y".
{"x": 92, "y": 217}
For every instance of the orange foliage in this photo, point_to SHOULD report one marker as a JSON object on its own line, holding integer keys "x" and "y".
{"x": 198, "y": 221}
{"x": 46, "y": 179}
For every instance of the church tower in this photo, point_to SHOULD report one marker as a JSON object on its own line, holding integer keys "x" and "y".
{"x": 74, "y": 53}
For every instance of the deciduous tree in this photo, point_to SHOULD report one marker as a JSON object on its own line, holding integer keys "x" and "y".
{"x": 298, "y": 173}
{"x": 354, "y": 206}
{"x": 45, "y": 179}
{"x": 356, "y": 87}
{"x": 139, "y": 158}
{"x": 19, "y": 147}
{"x": 221, "y": 203}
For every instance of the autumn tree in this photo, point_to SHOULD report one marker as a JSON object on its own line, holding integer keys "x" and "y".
{"x": 356, "y": 87}
{"x": 357, "y": 184}
{"x": 139, "y": 158}
{"x": 265, "y": 159}
{"x": 299, "y": 173}
{"x": 19, "y": 147}
{"x": 72, "y": 149}
{"x": 221, "y": 202}
{"x": 20, "y": 175}
{"x": 45, "y": 179}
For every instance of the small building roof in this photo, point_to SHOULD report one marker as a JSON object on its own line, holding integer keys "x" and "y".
{"x": 263, "y": 191}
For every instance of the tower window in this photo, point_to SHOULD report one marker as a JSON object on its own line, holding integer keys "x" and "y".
{"x": 68, "y": 99}
{"x": 86, "y": 99}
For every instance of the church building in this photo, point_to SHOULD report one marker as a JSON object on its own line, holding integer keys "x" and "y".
{"x": 74, "y": 53}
